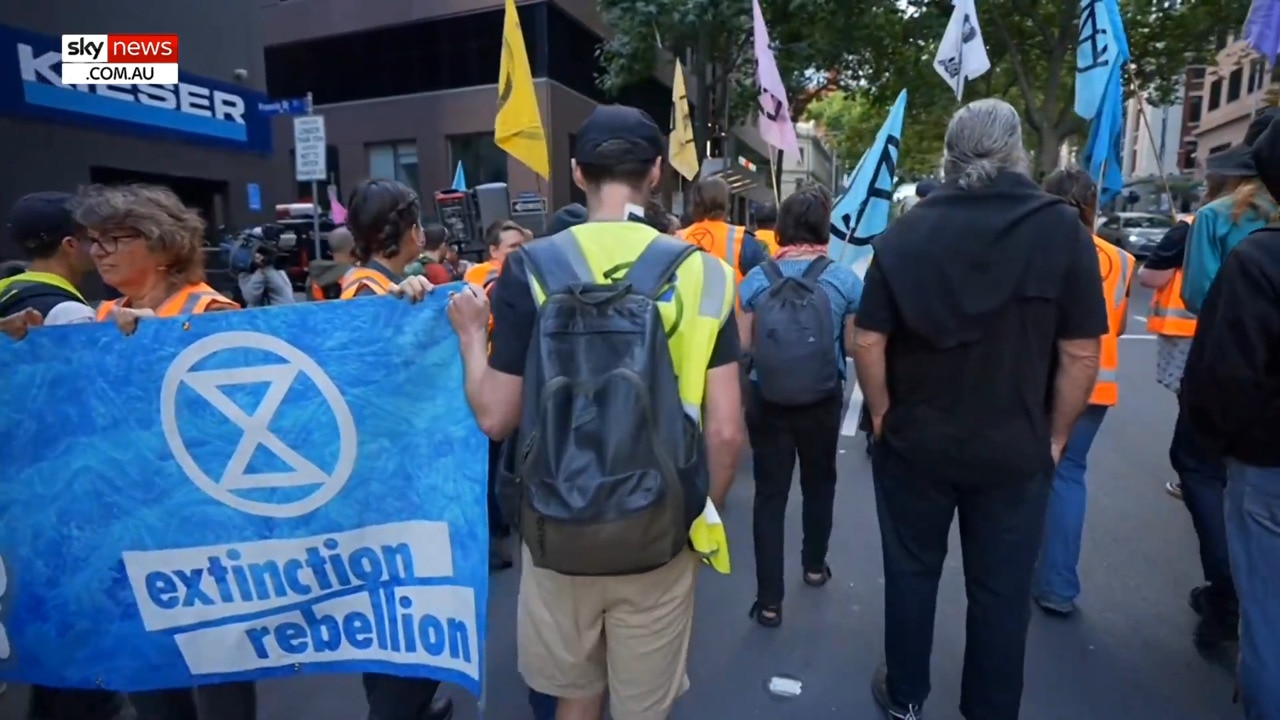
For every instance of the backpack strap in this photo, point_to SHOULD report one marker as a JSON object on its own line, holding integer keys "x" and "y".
{"x": 556, "y": 263}
{"x": 817, "y": 266}
{"x": 651, "y": 272}
{"x": 772, "y": 272}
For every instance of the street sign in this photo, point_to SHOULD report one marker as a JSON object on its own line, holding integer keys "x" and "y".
{"x": 290, "y": 106}
{"x": 529, "y": 204}
{"x": 309, "y": 148}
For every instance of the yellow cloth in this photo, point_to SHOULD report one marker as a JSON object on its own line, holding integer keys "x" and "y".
{"x": 517, "y": 129}
{"x": 708, "y": 539}
{"x": 682, "y": 153}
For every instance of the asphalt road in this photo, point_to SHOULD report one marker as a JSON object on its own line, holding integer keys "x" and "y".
{"x": 1126, "y": 654}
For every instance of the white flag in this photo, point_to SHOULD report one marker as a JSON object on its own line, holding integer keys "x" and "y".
{"x": 961, "y": 54}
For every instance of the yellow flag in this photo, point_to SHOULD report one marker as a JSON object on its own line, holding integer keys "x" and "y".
{"x": 682, "y": 153}
{"x": 518, "y": 127}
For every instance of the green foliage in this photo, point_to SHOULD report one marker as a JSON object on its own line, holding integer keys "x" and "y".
{"x": 850, "y": 122}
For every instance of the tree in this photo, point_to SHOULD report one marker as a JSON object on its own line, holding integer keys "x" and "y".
{"x": 716, "y": 37}
{"x": 850, "y": 121}
{"x": 1032, "y": 46}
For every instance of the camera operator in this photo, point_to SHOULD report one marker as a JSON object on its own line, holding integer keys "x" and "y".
{"x": 256, "y": 264}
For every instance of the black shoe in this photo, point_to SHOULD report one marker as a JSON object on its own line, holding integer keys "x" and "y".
{"x": 499, "y": 558}
{"x": 880, "y": 691}
{"x": 441, "y": 709}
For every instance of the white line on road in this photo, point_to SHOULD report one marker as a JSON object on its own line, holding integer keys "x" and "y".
{"x": 850, "y": 426}
{"x": 1137, "y": 337}
{"x": 1140, "y": 318}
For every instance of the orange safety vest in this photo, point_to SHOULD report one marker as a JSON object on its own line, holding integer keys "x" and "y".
{"x": 1117, "y": 270}
{"x": 358, "y": 278}
{"x": 718, "y": 238}
{"x": 1169, "y": 316}
{"x": 483, "y": 274}
{"x": 770, "y": 239}
{"x": 190, "y": 300}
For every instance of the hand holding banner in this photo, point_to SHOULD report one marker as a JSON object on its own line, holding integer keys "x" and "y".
{"x": 237, "y": 495}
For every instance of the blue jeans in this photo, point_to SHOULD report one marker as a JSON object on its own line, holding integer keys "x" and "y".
{"x": 1203, "y": 477}
{"x": 1253, "y": 538}
{"x": 1056, "y": 579}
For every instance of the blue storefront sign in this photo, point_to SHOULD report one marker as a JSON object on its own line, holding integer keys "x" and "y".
{"x": 196, "y": 110}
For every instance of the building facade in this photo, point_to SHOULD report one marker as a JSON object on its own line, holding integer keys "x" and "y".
{"x": 204, "y": 137}
{"x": 1233, "y": 91}
{"x": 409, "y": 89}
{"x": 1152, "y": 139}
{"x": 813, "y": 164}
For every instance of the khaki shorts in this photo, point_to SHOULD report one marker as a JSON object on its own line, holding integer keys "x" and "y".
{"x": 580, "y": 636}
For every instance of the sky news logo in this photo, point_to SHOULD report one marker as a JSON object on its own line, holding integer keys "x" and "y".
{"x": 119, "y": 59}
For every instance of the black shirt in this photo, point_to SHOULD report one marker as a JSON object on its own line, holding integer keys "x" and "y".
{"x": 1171, "y": 249}
{"x": 1231, "y": 383}
{"x": 515, "y": 314}
{"x": 974, "y": 406}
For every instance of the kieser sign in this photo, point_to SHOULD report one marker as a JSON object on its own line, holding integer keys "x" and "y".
{"x": 195, "y": 110}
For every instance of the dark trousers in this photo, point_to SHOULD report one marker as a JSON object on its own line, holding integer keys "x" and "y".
{"x": 69, "y": 704}
{"x": 497, "y": 526}
{"x": 1001, "y": 527}
{"x": 1203, "y": 474}
{"x": 779, "y": 434}
{"x": 389, "y": 697}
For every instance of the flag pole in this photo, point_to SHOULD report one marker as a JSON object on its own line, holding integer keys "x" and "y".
{"x": 1151, "y": 139}
{"x": 775, "y": 156}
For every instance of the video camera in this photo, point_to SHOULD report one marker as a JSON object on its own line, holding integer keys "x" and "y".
{"x": 258, "y": 247}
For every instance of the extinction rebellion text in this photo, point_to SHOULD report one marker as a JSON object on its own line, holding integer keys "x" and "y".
{"x": 371, "y": 594}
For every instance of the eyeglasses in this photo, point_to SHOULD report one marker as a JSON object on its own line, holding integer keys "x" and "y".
{"x": 111, "y": 243}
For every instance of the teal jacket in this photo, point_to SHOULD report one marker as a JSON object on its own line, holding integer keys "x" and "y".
{"x": 1212, "y": 236}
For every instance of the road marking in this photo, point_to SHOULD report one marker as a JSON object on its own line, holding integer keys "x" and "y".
{"x": 850, "y": 426}
{"x": 1137, "y": 337}
{"x": 1140, "y": 318}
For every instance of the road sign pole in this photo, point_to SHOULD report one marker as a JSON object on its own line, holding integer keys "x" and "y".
{"x": 315, "y": 195}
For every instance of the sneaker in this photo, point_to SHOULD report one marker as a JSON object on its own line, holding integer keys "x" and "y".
{"x": 1174, "y": 489}
{"x": 1053, "y": 606}
{"x": 880, "y": 691}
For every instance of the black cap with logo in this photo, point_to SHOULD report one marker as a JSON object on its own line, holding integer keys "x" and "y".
{"x": 41, "y": 220}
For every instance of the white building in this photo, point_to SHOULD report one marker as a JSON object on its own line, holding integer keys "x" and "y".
{"x": 1152, "y": 138}
{"x": 813, "y": 164}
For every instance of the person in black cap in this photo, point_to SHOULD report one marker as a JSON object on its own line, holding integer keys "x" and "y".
{"x": 41, "y": 224}
{"x": 1231, "y": 395}
{"x": 625, "y": 632}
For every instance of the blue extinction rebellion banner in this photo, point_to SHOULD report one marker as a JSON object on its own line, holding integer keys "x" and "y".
{"x": 242, "y": 495}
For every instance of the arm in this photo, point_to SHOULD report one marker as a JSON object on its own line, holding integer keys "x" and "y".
{"x": 749, "y": 290}
{"x": 874, "y": 324}
{"x": 722, "y": 413}
{"x": 1202, "y": 259}
{"x": 494, "y": 364}
{"x": 1166, "y": 259}
{"x": 751, "y": 255}
{"x": 1154, "y": 279}
{"x": 1082, "y": 321}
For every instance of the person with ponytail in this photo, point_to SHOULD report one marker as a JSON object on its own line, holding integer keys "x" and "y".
{"x": 384, "y": 217}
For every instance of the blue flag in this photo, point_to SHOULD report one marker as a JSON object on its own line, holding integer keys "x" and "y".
{"x": 1101, "y": 54}
{"x": 862, "y": 212}
{"x": 459, "y": 179}
{"x": 242, "y": 495}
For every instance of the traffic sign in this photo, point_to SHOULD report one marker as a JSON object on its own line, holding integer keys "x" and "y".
{"x": 309, "y": 149}
{"x": 290, "y": 106}
{"x": 529, "y": 204}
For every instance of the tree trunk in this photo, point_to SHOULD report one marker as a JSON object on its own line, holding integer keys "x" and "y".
{"x": 1048, "y": 150}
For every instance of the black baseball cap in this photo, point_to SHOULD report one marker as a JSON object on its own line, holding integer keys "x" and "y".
{"x": 627, "y": 134}
{"x": 41, "y": 219}
{"x": 566, "y": 217}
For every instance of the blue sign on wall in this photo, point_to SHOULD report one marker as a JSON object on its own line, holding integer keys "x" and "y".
{"x": 242, "y": 496}
{"x": 196, "y": 110}
{"x": 254, "y": 193}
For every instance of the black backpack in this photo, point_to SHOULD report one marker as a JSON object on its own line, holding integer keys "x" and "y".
{"x": 795, "y": 356}
{"x": 608, "y": 471}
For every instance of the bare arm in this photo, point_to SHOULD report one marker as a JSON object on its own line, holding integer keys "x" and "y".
{"x": 1072, "y": 386}
{"x": 722, "y": 427}
{"x": 848, "y": 337}
{"x": 494, "y": 397}
{"x": 747, "y": 330}
{"x": 1154, "y": 279}
{"x": 869, "y": 361}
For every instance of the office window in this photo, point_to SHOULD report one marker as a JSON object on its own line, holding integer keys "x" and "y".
{"x": 482, "y": 160}
{"x": 1195, "y": 73}
{"x": 1215, "y": 94}
{"x": 395, "y": 161}
{"x": 1189, "y": 155}
{"x": 1195, "y": 105}
{"x": 1257, "y": 75}
{"x": 1234, "y": 82}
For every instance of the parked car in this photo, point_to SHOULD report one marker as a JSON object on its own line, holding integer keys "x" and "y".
{"x": 1135, "y": 232}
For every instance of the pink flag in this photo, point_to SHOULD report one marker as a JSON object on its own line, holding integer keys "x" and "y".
{"x": 337, "y": 213}
{"x": 775, "y": 113}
